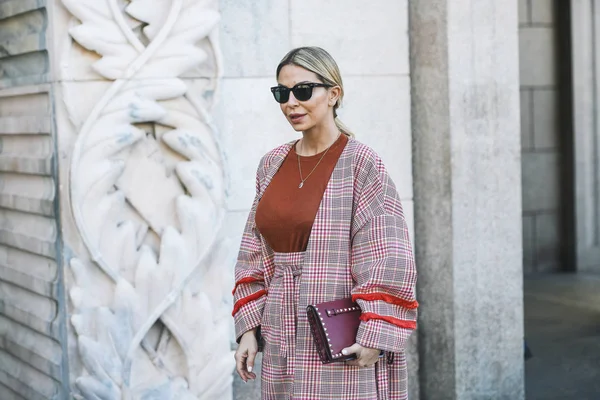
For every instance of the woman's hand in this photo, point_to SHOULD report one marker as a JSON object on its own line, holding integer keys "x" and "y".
{"x": 245, "y": 355}
{"x": 365, "y": 357}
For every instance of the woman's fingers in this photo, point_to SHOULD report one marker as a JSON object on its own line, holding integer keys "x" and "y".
{"x": 244, "y": 363}
{"x": 354, "y": 349}
{"x": 250, "y": 360}
{"x": 250, "y": 364}
{"x": 240, "y": 364}
{"x": 245, "y": 355}
{"x": 365, "y": 357}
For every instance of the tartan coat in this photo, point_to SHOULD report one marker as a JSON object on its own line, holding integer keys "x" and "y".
{"x": 359, "y": 247}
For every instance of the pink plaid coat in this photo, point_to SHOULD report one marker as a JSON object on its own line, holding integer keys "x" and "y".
{"x": 359, "y": 247}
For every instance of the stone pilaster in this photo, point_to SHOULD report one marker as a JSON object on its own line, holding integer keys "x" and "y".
{"x": 467, "y": 184}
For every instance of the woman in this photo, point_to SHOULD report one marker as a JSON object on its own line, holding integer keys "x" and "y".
{"x": 326, "y": 224}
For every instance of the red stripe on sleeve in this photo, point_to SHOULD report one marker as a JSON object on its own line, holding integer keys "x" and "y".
{"x": 394, "y": 321}
{"x": 241, "y": 302}
{"x": 248, "y": 279}
{"x": 387, "y": 298}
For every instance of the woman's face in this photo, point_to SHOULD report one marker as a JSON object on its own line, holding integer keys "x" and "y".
{"x": 305, "y": 115}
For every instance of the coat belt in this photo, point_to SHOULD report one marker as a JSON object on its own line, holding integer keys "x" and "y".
{"x": 287, "y": 313}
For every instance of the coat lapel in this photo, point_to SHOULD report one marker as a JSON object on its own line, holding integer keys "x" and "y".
{"x": 274, "y": 164}
{"x": 327, "y": 257}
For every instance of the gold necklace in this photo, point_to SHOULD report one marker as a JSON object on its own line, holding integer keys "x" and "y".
{"x": 313, "y": 170}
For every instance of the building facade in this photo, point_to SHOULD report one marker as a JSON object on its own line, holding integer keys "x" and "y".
{"x": 131, "y": 131}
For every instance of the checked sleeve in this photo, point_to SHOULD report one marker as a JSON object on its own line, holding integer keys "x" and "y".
{"x": 249, "y": 290}
{"x": 382, "y": 261}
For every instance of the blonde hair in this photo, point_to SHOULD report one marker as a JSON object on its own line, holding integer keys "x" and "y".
{"x": 317, "y": 60}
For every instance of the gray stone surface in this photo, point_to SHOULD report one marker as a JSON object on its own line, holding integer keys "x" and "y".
{"x": 524, "y": 11}
{"x": 23, "y": 59}
{"x": 545, "y": 119}
{"x": 537, "y": 56}
{"x": 528, "y": 244}
{"x": 584, "y": 22}
{"x": 32, "y": 307}
{"x": 466, "y": 151}
{"x": 412, "y": 358}
{"x": 526, "y": 119}
{"x": 561, "y": 325}
{"x": 541, "y": 184}
{"x": 542, "y": 11}
{"x": 540, "y": 133}
{"x": 23, "y": 33}
{"x": 389, "y": 137}
{"x": 9, "y": 8}
{"x": 547, "y": 242}
{"x": 254, "y": 36}
{"x": 364, "y": 40}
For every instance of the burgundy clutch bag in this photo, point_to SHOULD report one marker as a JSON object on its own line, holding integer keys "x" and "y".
{"x": 334, "y": 325}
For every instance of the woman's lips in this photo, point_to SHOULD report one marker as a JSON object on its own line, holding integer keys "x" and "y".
{"x": 296, "y": 118}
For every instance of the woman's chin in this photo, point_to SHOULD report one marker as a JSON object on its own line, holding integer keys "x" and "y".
{"x": 298, "y": 127}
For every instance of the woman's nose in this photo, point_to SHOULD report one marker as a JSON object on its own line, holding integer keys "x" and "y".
{"x": 292, "y": 100}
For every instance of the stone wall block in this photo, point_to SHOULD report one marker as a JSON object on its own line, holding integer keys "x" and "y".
{"x": 23, "y": 44}
{"x": 541, "y": 185}
{"x": 542, "y": 11}
{"x": 524, "y": 14}
{"x": 254, "y": 36}
{"x": 526, "y": 119}
{"x": 377, "y": 110}
{"x": 537, "y": 56}
{"x": 357, "y": 36}
{"x": 545, "y": 119}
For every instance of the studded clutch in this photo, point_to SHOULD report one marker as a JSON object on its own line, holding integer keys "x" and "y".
{"x": 334, "y": 325}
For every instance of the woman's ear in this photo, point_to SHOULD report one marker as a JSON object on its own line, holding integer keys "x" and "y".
{"x": 334, "y": 95}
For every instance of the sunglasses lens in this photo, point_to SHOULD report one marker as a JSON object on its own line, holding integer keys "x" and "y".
{"x": 281, "y": 94}
{"x": 302, "y": 92}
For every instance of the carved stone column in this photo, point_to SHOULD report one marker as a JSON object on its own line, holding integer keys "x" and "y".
{"x": 142, "y": 188}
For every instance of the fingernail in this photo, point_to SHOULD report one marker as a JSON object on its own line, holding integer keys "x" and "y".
{"x": 249, "y": 369}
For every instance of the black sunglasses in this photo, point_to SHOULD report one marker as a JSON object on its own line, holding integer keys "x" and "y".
{"x": 302, "y": 91}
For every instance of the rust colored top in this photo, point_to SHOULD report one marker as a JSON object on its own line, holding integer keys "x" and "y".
{"x": 285, "y": 213}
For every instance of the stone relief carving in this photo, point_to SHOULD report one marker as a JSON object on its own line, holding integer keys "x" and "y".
{"x": 147, "y": 188}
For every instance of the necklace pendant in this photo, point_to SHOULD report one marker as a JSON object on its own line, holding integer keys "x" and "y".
{"x": 300, "y": 185}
